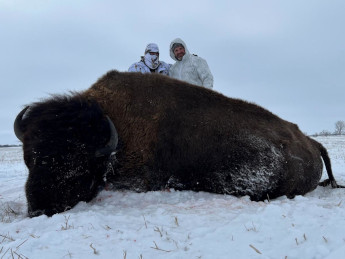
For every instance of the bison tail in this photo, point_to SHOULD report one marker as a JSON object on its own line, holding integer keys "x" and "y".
{"x": 331, "y": 180}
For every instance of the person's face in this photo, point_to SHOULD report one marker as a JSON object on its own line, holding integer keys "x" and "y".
{"x": 154, "y": 53}
{"x": 179, "y": 52}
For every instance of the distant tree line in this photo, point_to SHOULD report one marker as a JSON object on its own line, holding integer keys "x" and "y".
{"x": 339, "y": 130}
{"x": 9, "y": 146}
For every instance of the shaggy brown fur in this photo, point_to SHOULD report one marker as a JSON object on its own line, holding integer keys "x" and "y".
{"x": 173, "y": 134}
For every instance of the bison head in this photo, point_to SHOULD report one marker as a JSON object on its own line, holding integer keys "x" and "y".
{"x": 68, "y": 143}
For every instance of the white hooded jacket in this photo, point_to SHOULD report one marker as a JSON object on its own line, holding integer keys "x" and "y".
{"x": 150, "y": 63}
{"x": 191, "y": 68}
{"x": 163, "y": 68}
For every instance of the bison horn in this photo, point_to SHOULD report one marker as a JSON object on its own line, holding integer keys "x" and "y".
{"x": 18, "y": 126}
{"x": 112, "y": 143}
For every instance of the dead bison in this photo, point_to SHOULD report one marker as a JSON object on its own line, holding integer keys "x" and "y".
{"x": 145, "y": 132}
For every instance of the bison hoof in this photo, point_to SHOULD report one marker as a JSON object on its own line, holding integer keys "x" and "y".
{"x": 333, "y": 183}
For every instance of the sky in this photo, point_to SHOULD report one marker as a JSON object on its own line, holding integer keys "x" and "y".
{"x": 286, "y": 56}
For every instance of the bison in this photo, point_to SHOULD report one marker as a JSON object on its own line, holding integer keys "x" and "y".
{"x": 145, "y": 132}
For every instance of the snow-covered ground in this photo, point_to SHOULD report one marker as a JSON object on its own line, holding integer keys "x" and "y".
{"x": 175, "y": 224}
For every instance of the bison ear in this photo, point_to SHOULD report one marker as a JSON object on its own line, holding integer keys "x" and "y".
{"x": 112, "y": 143}
{"x": 18, "y": 125}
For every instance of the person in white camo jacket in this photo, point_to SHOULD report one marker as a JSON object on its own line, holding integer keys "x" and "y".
{"x": 150, "y": 63}
{"x": 189, "y": 67}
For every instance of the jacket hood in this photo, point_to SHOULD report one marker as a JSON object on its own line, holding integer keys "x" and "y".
{"x": 177, "y": 40}
{"x": 152, "y": 47}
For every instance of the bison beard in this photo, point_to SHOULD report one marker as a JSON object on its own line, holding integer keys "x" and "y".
{"x": 171, "y": 135}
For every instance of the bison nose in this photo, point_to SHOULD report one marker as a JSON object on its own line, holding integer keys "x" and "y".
{"x": 38, "y": 212}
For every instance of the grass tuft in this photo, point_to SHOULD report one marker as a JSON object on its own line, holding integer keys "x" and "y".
{"x": 255, "y": 249}
{"x": 66, "y": 225}
{"x": 7, "y": 213}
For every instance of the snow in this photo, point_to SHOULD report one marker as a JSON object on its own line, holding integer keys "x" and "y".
{"x": 176, "y": 224}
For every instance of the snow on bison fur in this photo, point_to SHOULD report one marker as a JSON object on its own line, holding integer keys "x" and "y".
{"x": 146, "y": 132}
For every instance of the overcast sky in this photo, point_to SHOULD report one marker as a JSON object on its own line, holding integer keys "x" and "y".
{"x": 285, "y": 55}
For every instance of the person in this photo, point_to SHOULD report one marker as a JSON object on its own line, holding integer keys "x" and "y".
{"x": 150, "y": 63}
{"x": 189, "y": 67}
